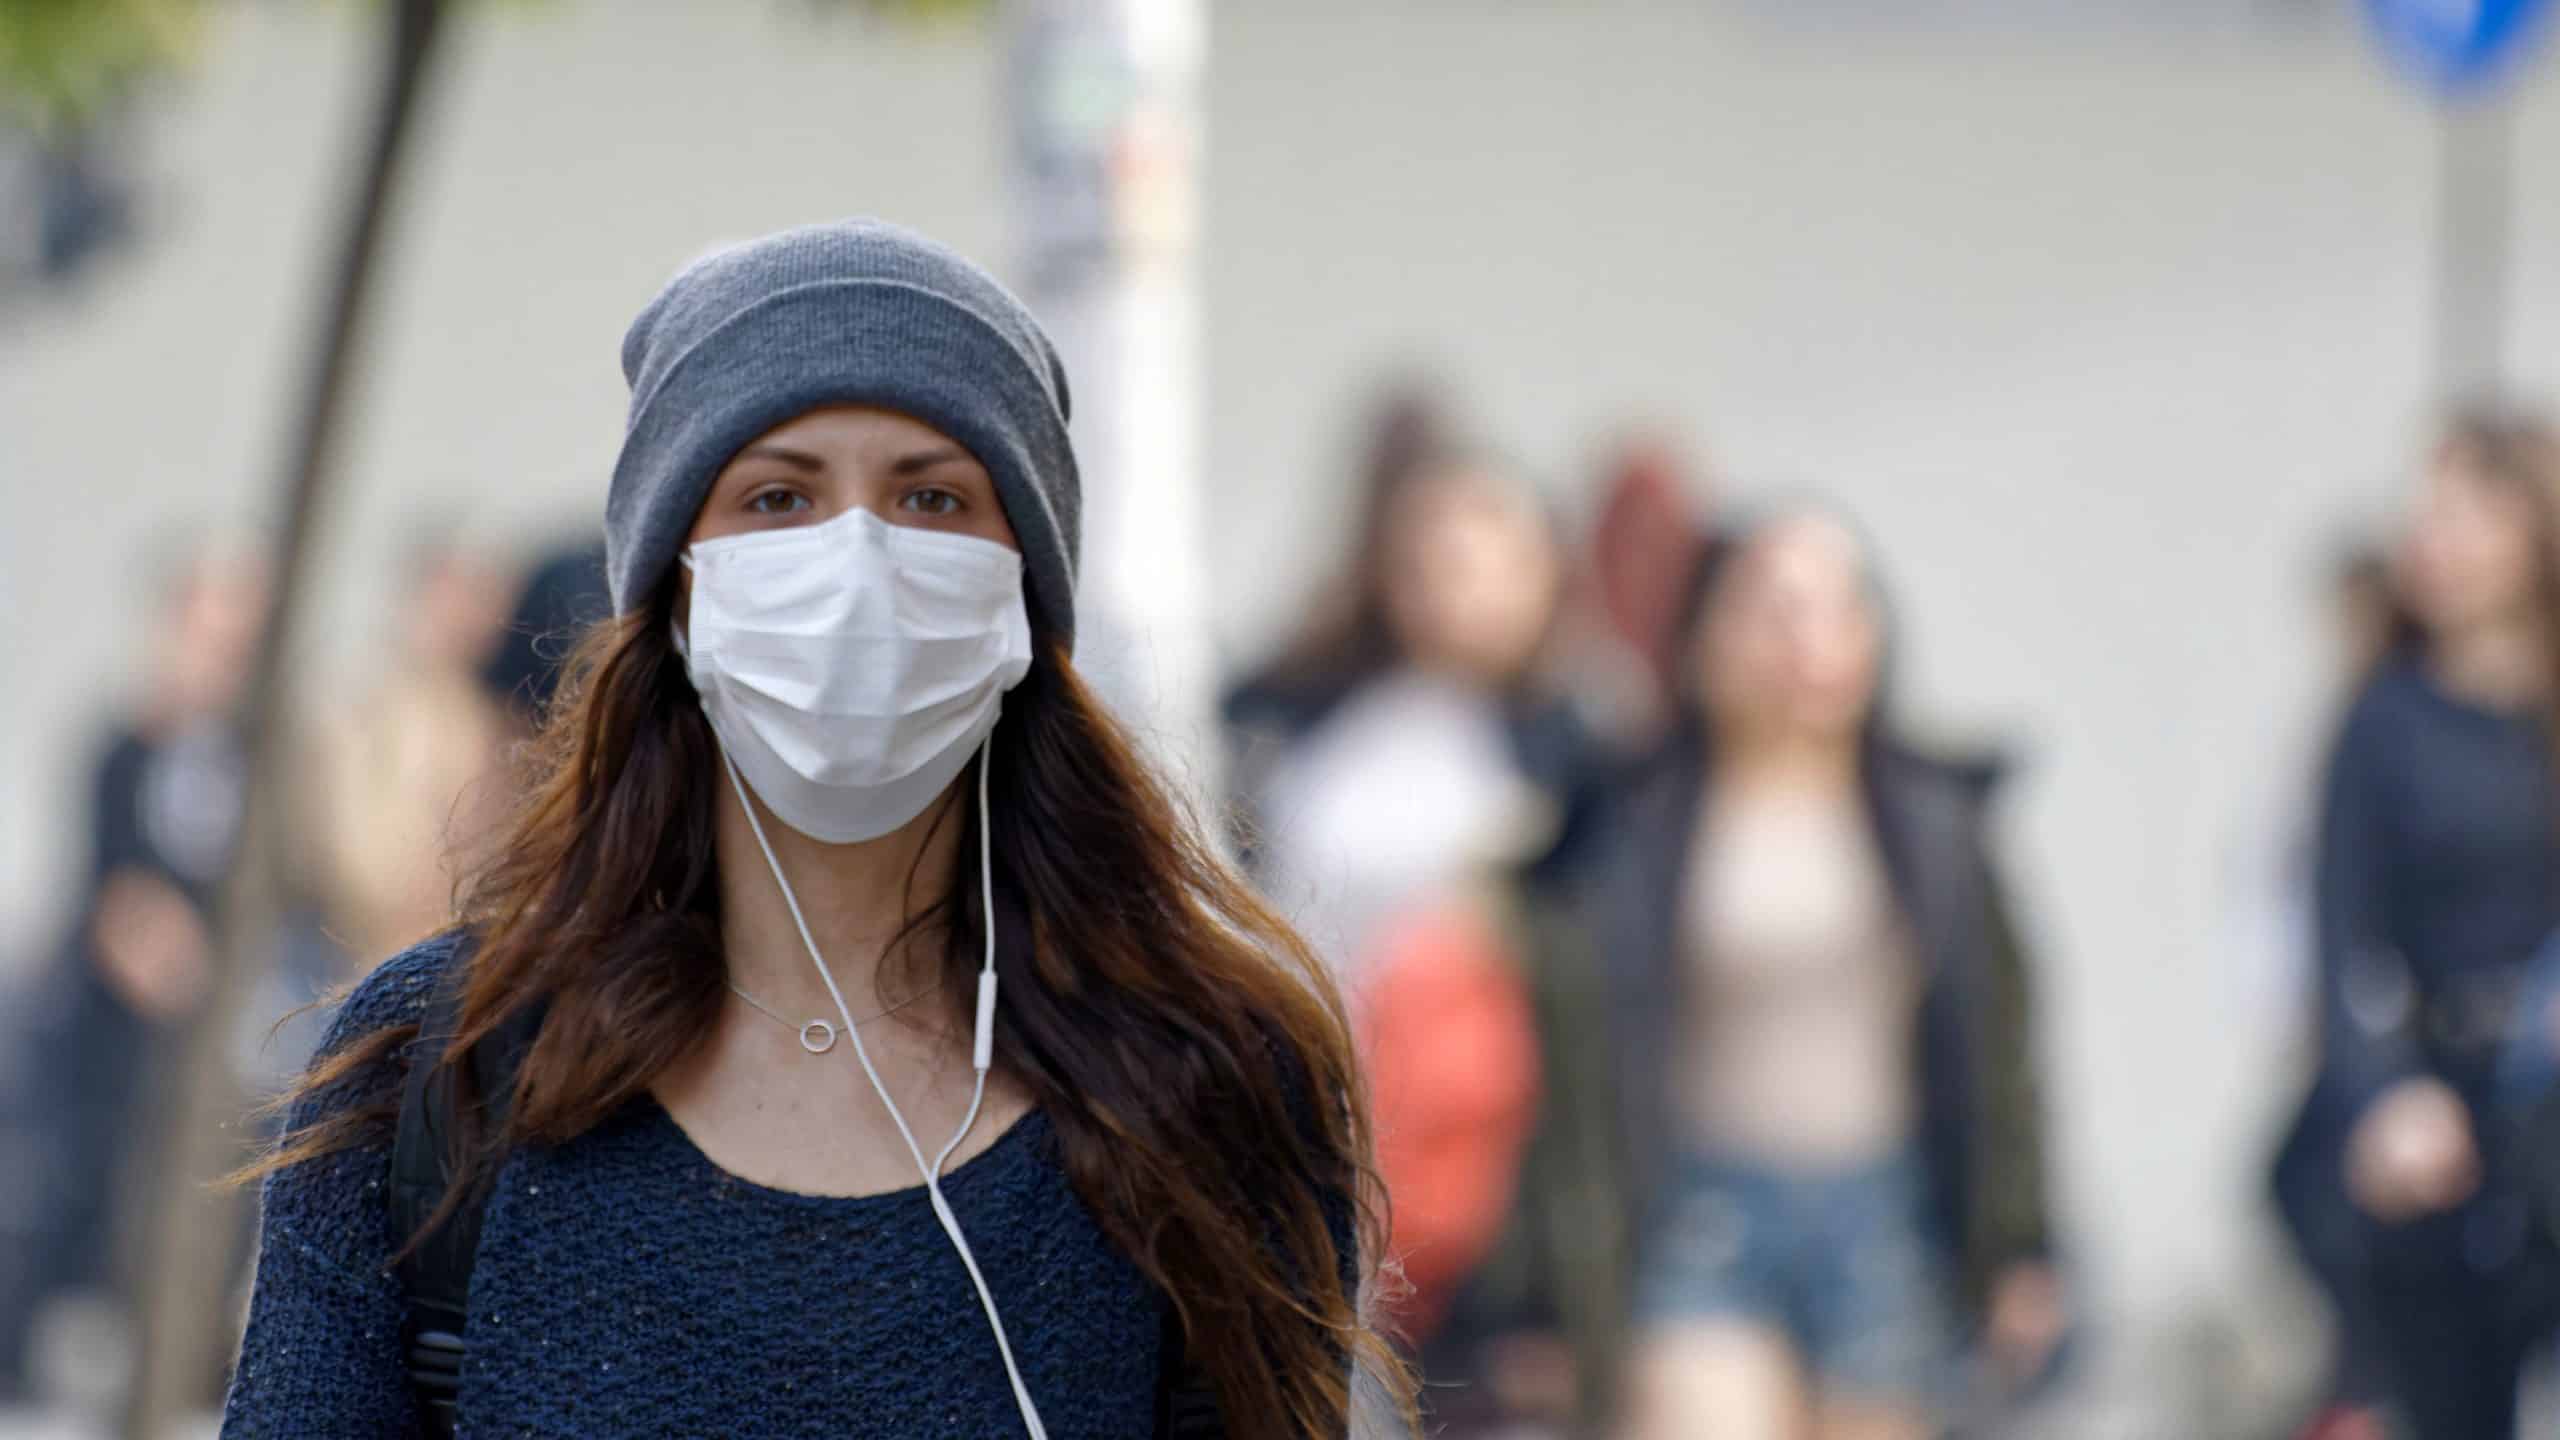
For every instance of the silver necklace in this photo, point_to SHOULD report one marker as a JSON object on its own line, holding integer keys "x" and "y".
{"x": 819, "y": 1036}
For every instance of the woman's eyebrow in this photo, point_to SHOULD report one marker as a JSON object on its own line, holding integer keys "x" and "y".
{"x": 923, "y": 460}
{"x": 768, "y": 450}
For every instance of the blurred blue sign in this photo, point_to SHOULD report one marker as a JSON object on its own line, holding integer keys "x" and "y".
{"x": 2458, "y": 47}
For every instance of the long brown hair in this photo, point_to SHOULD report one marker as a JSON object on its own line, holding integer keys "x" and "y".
{"x": 1345, "y": 637}
{"x": 1188, "y": 1048}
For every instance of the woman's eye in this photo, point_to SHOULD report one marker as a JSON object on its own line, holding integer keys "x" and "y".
{"x": 932, "y": 502}
{"x": 778, "y": 502}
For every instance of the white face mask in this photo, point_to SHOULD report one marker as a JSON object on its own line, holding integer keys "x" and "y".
{"x": 851, "y": 668}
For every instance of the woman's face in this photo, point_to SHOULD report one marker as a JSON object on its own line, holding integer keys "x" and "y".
{"x": 456, "y": 609}
{"x": 209, "y": 639}
{"x": 854, "y": 457}
{"x": 1792, "y": 642}
{"x": 2470, "y": 553}
{"x": 1471, "y": 576}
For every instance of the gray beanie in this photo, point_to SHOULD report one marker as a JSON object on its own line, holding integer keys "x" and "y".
{"x": 853, "y": 313}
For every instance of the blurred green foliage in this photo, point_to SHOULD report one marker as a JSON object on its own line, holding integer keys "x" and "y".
{"x": 60, "y": 60}
{"x": 915, "y": 9}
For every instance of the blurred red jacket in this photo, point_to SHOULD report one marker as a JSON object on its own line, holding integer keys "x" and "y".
{"x": 1452, "y": 1050}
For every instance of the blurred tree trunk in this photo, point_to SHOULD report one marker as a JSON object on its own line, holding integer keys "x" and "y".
{"x": 1105, "y": 123}
{"x": 187, "y": 1229}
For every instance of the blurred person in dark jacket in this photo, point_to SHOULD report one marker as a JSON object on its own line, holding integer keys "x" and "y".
{"x": 2438, "y": 877}
{"x": 96, "y": 1030}
{"x": 1830, "y": 1143}
{"x": 1414, "y": 730}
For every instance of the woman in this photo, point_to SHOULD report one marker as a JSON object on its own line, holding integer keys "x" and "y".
{"x": 838, "y": 880}
{"x": 2438, "y": 877}
{"x": 1821, "y": 1030}
{"x": 1406, "y": 736}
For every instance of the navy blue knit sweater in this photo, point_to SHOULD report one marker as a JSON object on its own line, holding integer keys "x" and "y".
{"x": 2439, "y": 877}
{"x": 627, "y": 1286}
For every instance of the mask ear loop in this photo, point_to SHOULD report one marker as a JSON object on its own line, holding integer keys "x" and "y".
{"x": 982, "y": 1057}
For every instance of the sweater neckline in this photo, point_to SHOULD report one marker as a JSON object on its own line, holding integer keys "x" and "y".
{"x": 656, "y": 1115}
{"x": 2520, "y": 714}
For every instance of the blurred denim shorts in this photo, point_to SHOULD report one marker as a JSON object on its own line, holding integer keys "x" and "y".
{"x": 1842, "y": 1265}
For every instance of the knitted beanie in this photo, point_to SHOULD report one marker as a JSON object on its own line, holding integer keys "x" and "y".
{"x": 852, "y": 313}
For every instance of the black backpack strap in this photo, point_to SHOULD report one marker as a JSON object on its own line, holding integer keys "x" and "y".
{"x": 1186, "y": 1403}
{"x": 436, "y": 1271}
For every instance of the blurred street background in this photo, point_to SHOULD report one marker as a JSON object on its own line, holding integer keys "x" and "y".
{"x": 2114, "y": 329}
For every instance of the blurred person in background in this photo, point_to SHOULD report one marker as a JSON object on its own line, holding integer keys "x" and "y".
{"x": 1825, "y": 1073}
{"x": 1425, "y": 775}
{"x": 1633, "y": 577}
{"x": 402, "y": 804}
{"x": 97, "y": 1028}
{"x": 2438, "y": 877}
{"x": 1415, "y": 729}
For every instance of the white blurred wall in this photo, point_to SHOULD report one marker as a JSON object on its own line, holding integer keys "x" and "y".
{"x": 2102, "y": 331}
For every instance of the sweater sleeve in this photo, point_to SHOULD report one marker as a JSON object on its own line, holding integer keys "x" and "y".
{"x": 321, "y": 1356}
{"x": 2365, "y": 987}
{"x": 2016, "y": 1221}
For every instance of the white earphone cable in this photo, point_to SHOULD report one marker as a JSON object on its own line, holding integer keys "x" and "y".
{"x": 982, "y": 1056}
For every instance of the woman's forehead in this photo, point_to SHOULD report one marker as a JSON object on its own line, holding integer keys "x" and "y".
{"x": 855, "y": 427}
{"x": 1809, "y": 547}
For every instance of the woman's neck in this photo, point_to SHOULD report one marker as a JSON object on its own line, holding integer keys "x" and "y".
{"x": 1806, "y": 765}
{"x": 2503, "y": 664}
{"x": 858, "y": 900}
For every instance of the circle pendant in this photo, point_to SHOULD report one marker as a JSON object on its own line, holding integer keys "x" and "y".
{"x": 817, "y": 1037}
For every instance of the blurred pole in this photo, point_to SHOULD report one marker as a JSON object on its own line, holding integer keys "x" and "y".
{"x": 187, "y": 1244}
{"x": 1106, "y": 120}
{"x": 2474, "y": 234}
